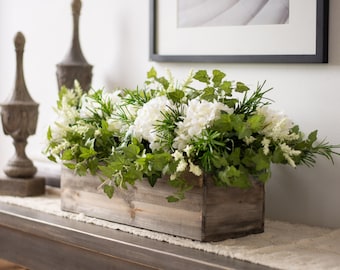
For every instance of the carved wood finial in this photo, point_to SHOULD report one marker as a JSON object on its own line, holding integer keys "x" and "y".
{"x": 76, "y": 7}
{"x": 20, "y": 92}
{"x": 19, "y": 117}
{"x": 74, "y": 66}
{"x": 19, "y": 41}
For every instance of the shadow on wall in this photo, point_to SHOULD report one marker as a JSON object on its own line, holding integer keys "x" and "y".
{"x": 303, "y": 195}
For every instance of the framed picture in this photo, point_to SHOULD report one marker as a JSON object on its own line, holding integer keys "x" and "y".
{"x": 244, "y": 31}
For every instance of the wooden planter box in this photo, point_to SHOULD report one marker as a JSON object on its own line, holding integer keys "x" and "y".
{"x": 208, "y": 213}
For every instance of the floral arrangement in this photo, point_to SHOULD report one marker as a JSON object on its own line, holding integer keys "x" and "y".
{"x": 207, "y": 124}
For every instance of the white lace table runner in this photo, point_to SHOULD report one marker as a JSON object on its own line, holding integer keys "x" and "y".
{"x": 282, "y": 245}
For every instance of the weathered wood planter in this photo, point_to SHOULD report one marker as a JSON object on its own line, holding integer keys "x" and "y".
{"x": 208, "y": 213}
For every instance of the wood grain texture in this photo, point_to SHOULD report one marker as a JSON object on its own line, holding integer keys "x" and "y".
{"x": 208, "y": 213}
{"x": 41, "y": 241}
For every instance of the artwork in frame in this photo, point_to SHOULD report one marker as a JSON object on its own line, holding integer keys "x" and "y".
{"x": 239, "y": 31}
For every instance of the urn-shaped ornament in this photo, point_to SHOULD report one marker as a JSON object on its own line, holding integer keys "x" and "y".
{"x": 19, "y": 115}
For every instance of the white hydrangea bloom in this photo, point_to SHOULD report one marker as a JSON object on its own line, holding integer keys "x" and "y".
{"x": 112, "y": 96}
{"x": 277, "y": 125}
{"x": 146, "y": 119}
{"x": 198, "y": 114}
{"x": 114, "y": 125}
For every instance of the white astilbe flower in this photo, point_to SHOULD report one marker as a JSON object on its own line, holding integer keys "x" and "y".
{"x": 177, "y": 155}
{"x": 265, "y": 143}
{"x": 198, "y": 115}
{"x": 58, "y": 131}
{"x": 146, "y": 119}
{"x": 182, "y": 165}
{"x": 188, "y": 149}
{"x": 66, "y": 116}
{"x": 196, "y": 170}
{"x": 249, "y": 140}
{"x": 60, "y": 147}
{"x": 277, "y": 126}
{"x": 88, "y": 106}
{"x": 81, "y": 128}
{"x": 67, "y": 113}
{"x": 288, "y": 153}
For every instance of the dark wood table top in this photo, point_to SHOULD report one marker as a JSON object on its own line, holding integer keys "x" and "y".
{"x": 38, "y": 240}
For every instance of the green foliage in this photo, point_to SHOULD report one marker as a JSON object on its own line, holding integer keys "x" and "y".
{"x": 232, "y": 135}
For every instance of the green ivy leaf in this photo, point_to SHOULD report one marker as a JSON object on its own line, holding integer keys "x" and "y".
{"x": 132, "y": 175}
{"x": 263, "y": 176}
{"x": 261, "y": 161}
{"x": 234, "y": 177}
{"x": 219, "y": 161}
{"x": 223, "y": 124}
{"x": 247, "y": 159}
{"x": 67, "y": 155}
{"x": 241, "y": 87}
{"x": 202, "y": 76}
{"x": 176, "y": 95}
{"x": 160, "y": 161}
{"x": 81, "y": 169}
{"x": 87, "y": 152}
{"x": 208, "y": 94}
{"x": 109, "y": 190}
{"x": 278, "y": 157}
{"x": 70, "y": 166}
{"x": 234, "y": 156}
{"x": 172, "y": 199}
{"x": 131, "y": 151}
{"x": 182, "y": 186}
{"x": 217, "y": 77}
{"x": 163, "y": 81}
{"x": 152, "y": 73}
{"x": 256, "y": 122}
{"x": 231, "y": 102}
{"x": 226, "y": 87}
{"x": 52, "y": 158}
{"x": 107, "y": 171}
{"x": 153, "y": 179}
{"x": 93, "y": 165}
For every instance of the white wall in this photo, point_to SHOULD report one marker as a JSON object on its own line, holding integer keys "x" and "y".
{"x": 115, "y": 39}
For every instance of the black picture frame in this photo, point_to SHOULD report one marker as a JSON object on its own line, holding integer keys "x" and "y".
{"x": 320, "y": 56}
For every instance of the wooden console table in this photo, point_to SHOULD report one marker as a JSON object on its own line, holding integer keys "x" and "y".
{"x": 38, "y": 240}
